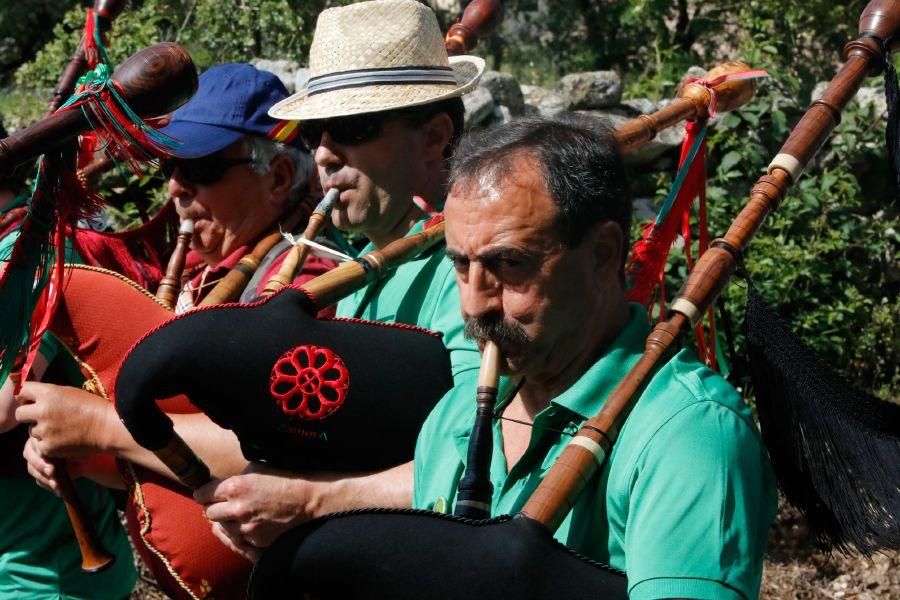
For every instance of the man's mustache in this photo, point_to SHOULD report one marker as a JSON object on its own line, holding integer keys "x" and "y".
{"x": 495, "y": 329}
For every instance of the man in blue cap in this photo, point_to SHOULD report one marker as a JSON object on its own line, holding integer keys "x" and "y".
{"x": 238, "y": 176}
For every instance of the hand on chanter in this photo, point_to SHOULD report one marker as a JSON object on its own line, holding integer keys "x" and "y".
{"x": 251, "y": 510}
{"x": 43, "y": 469}
{"x": 65, "y": 421}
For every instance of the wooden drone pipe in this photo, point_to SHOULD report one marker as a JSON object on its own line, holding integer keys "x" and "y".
{"x": 345, "y": 279}
{"x": 480, "y": 19}
{"x": 297, "y": 255}
{"x": 560, "y": 489}
{"x": 153, "y": 81}
{"x": 107, "y": 11}
{"x": 170, "y": 284}
{"x": 692, "y": 103}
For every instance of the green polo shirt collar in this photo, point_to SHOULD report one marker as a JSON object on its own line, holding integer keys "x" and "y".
{"x": 570, "y": 409}
{"x": 420, "y": 224}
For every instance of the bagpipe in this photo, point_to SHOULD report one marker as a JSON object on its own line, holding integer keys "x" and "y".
{"x": 416, "y": 554}
{"x": 153, "y": 81}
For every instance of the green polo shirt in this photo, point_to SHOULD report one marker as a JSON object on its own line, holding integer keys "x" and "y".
{"x": 685, "y": 501}
{"x": 421, "y": 292}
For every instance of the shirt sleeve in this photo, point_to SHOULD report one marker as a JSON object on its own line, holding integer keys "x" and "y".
{"x": 701, "y": 503}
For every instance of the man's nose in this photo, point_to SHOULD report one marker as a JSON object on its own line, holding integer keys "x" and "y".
{"x": 481, "y": 293}
{"x": 328, "y": 155}
{"x": 182, "y": 191}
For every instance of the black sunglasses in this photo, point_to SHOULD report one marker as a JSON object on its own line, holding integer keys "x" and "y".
{"x": 206, "y": 170}
{"x": 357, "y": 129}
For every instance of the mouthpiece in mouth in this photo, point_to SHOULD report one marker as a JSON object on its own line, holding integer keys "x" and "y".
{"x": 328, "y": 201}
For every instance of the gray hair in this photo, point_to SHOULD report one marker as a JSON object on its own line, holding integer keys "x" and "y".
{"x": 263, "y": 151}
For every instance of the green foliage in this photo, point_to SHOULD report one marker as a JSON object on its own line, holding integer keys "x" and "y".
{"x": 214, "y": 31}
{"x": 823, "y": 258}
{"x": 25, "y": 26}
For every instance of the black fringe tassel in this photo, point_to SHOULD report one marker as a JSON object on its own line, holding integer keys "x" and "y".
{"x": 835, "y": 449}
{"x": 892, "y": 95}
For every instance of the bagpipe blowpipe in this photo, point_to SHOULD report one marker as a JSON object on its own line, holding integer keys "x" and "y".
{"x": 299, "y": 392}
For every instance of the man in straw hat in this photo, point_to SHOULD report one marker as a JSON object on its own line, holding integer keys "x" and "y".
{"x": 381, "y": 113}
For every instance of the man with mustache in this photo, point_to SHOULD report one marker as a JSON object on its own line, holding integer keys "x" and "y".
{"x": 537, "y": 218}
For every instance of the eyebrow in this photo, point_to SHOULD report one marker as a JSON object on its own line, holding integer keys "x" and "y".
{"x": 491, "y": 255}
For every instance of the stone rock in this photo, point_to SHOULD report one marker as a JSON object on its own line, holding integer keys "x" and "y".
{"x": 589, "y": 90}
{"x": 502, "y": 114}
{"x": 479, "y": 106}
{"x": 451, "y": 6}
{"x": 547, "y": 102}
{"x": 505, "y": 90}
{"x": 643, "y": 209}
{"x": 866, "y": 96}
{"x": 695, "y": 71}
{"x": 283, "y": 69}
{"x": 640, "y": 106}
{"x": 301, "y": 76}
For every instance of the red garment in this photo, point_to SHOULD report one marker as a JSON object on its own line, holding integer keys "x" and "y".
{"x": 203, "y": 279}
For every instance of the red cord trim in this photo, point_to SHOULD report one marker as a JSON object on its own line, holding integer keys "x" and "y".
{"x": 383, "y": 324}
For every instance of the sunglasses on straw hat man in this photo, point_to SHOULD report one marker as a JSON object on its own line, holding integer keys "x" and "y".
{"x": 370, "y": 61}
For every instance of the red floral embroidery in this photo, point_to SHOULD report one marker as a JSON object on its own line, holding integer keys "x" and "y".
{"x": 310, "y": 382}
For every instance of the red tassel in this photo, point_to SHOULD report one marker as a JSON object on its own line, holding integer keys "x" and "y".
{"x": 647, "y": 264}
{"x": 91, "y": 52}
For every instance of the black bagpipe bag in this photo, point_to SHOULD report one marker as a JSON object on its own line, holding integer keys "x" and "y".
{"x": 398, "y": 554}
{"x": 299, "y": 392}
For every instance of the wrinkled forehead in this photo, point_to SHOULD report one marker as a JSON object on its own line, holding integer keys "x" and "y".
{"x": 501, "y": 207}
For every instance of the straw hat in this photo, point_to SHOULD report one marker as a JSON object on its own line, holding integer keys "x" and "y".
{"x": 376, "y": 56}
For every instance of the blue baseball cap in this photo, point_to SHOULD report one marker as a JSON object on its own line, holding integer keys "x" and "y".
{"x": 232, "y": 101}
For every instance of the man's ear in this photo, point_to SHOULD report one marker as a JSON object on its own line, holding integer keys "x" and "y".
{"x": 436, "y": 135}
{"x": 609, "y": 246}
{"x": 282, "y": 173}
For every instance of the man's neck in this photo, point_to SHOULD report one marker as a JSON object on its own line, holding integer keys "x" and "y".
{"x": 431, "y": 186}
{"x": 541, "y": 388}
{"x": 399, "y": 229}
